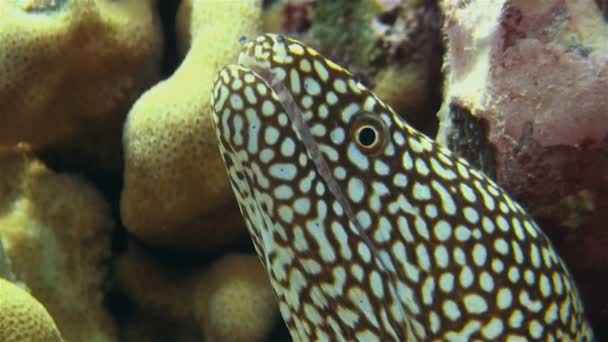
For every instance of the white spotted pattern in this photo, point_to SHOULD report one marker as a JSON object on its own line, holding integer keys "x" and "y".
{"x": 399, "y": 241}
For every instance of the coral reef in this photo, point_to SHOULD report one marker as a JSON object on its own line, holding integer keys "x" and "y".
{"x": 392, "y": 46}
{"x": 525, "y": 100}
{"x": 53, "y": 50}
{"x": 176, "y": 193}
{"x": 56, "y": 230}
{"x": 23, "y": 318}
{"x": 409, "y": 33}
{"x": 355, "y": 40}
{"x": 230, "y": 301}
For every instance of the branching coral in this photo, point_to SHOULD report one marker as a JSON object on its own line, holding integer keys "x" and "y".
{"x": 56, "y": 229}
{"x": 176, "y": 193}
{"x": 68, "y": 66}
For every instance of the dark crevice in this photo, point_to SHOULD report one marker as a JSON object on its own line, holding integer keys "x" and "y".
{"x": 469, "y": 140}
{"x": 168, "y": 13}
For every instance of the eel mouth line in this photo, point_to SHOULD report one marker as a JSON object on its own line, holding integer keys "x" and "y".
{"x": 296, "y": 115}
{"x": 302, "y": 129}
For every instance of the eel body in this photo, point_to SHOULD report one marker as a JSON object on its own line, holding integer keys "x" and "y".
{"x": 368, "y": 229}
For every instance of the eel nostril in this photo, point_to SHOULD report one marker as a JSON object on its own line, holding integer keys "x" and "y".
{"x": 244, "y": 40}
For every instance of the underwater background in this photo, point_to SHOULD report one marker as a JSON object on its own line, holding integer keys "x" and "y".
{"x": 117, "y": 219}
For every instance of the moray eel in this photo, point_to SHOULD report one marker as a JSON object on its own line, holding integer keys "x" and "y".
{"x": 368, "y": 229}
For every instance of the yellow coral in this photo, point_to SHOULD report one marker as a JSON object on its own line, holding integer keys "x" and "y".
{"x": 176, "y": 193}
{"x": 234, "y": 302}
{"x": 183, "y": 27}
{"x": 23, "y": 318}
{"x": 231, "y": 301}
{"x": 68, "y": 66}
{"x": 56, "y": 231}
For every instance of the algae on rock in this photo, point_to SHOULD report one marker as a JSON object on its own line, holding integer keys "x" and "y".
{"x": 342, "y": 28}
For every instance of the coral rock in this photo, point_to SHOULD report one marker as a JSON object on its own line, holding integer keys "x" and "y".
{"x": 525, "y": 100}
{"x": 56, "y": 231}
{"x": 68, "y": 66}
{"x": 23, "y": 318}
{"x": 176, "y": 192}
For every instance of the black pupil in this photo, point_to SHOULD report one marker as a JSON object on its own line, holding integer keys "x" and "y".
{"x": 367, "y": 136}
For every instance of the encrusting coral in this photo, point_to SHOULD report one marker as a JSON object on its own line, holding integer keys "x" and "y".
{"x": 525, "y": 100}
{"x": 72, "y": 66}
{"x": 230, "y": 301}
{"x": 176, "y": 193}
{"x": 23, "y": 318}
{"x": 56, "y": 231}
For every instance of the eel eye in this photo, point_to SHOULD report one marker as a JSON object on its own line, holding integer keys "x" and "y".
{"x": 367, "y": 136}
{"x": 369, "y": 133}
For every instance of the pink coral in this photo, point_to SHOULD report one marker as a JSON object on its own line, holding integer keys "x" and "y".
{"x": 525, "y": 98}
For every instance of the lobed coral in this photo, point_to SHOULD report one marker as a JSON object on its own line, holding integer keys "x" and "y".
{"x": 234, "y": 300}
{"x": 68, "y": 66}
{"x": 176, "y": 193}
{"x": 56, "y": 230}
{"x": 23, "y": 318}
{"x": 525, "y": 100}
{"x": 230, "y": 301}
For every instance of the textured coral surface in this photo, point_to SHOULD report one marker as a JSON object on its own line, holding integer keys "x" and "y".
{"x": 115, "y": 210}
{"x": 393, "y": 46}
{"x": 237, "y": 287}
{"x": 53, "y": 50}
{"x": 531, "y": 78}
{"x": 176, "y": 193}
{"x": 23, "y": 318}
{"x": 56, "y": 231}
